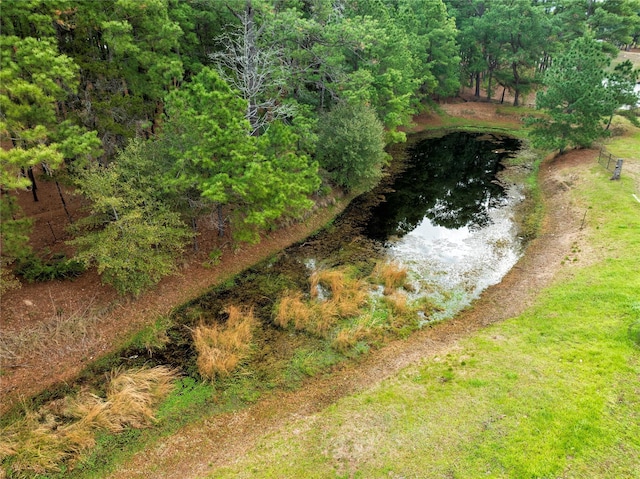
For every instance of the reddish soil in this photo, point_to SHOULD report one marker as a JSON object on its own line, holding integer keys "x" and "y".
{"x": 38, "y": 309}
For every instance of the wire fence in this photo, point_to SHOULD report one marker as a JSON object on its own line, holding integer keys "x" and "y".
{"x": 611, "y": 163}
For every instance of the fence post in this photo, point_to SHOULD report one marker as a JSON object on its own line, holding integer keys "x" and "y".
{"x": 618, "y": 170}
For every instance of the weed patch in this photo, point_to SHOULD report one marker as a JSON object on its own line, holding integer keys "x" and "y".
{"x": 79, "y": 328}
{"x": 391, "y": 275}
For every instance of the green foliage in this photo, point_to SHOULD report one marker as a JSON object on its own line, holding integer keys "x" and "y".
{"x": 621, "y": 82}
{"x": 33, "y": 78}
{"x": 351, "y": 146}
{"x": 212, "y": 154}
{"x": 576, "y": 98}
{"x": 34, "y": 269}
{"x": 131, "y": 236}
{"x": 615, "y": 22}
{"x": 14, "y": 231}
{"x": 14, "y": 237}
{"x": 127, "y": 56}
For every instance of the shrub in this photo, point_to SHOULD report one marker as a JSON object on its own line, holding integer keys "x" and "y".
{"x": 221, "y": 347}
{"x": 351, "y": 146}
{"x": 34, "y": 269}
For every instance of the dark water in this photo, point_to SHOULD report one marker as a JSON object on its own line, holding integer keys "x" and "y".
{"x": 449, "y": 180}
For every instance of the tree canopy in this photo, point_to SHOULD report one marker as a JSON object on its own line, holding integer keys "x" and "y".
{"x": 577, "y": 97}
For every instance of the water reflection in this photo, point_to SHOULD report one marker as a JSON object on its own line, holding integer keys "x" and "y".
{"x": 450, "y": 181}
{"x": 449, "y": 220}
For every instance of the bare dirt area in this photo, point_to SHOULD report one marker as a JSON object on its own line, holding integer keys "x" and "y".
{"x": 214, "y": 442}
{"x": 37, "y": 313}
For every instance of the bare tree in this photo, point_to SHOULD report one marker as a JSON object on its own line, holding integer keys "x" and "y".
{"x": 254, "y": 70}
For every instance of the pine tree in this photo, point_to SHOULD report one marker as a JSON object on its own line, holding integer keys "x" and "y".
{"x": 576, "y": 98}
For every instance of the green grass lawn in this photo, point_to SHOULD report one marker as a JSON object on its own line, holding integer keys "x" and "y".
{"x": 627, "y": 147}
{"x": 552, "y": 393}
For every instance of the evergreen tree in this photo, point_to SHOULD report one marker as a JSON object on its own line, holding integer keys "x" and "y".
{"x": 213, "y": 153}
{"x": 131, "y": 236}
{"x": 35, "y": 80}
{"x": 575, "y": 99}
{"x": 351, "y": 146}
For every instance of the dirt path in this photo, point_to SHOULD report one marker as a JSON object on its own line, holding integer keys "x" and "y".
{"x": 213, "y": 442}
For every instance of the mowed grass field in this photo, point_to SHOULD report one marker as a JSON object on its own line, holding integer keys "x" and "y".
{"x": 552, "y": 393}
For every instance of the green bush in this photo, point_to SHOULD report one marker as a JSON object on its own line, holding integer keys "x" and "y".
{"x": 34, "y": 269}
{"x": 351, "y": 146}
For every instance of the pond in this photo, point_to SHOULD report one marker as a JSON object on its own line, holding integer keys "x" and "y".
{"x": 448, "y": 218}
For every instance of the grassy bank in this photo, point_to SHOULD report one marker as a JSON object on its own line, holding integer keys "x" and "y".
{"x": 552, "y": 393}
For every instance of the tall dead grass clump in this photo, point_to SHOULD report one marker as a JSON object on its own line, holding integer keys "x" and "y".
{"x": 41, "y": 441}
{"x": 351, "y": 299}
{"x": 331, "y": 279}
{"x": 221, "y": 347}
{"x": 292, "y": 309}
{"x": 347, "y": 294}
{"x": 326, "y": 317}
{"x": 391, "y": 275}
{"x": 398, "y": 303}
{"x": 32, "y": 445}
{"x": 131, "y": 398}
{"x": 347, "y": 338}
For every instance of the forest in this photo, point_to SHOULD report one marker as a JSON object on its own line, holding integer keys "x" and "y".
{"x": 247, "y": 113}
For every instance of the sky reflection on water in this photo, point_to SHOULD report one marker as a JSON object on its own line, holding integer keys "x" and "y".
{"x": 448, "y": 220}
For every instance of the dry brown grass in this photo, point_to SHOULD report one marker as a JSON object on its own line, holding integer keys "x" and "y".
{"x": 292, "y": 308}
{"x": 33, "y": 446}
{"x": 348, "y": 337}
{"x": 78, "y": 331}
{"x": 40, "y": 442}
{"x": 392, "y": 275}
{"x": 326, "y": 317}
{"x": 348, "y": 294}
{"x": 221, "y": 347}
{"x": 131, "y": 398}
{"x": 320, "y": 316}
{"x": 351, "y": 299}
{"x": 332, "y": 279}
{"x": 397, "y": 302}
